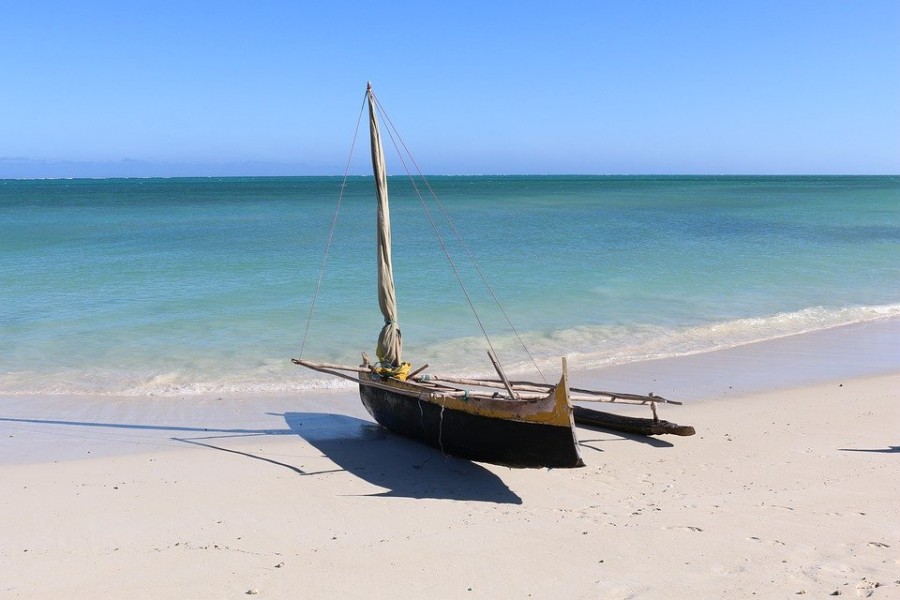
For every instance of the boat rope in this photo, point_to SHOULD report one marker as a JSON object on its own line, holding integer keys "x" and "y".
{"x": 422, "y": 416}
{"x": 337, "y": 210}
{"x": 399, "y": 144}
{"x": 441, "y": 431}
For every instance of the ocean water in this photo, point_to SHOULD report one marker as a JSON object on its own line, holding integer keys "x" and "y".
{"x": 204, "y": 286}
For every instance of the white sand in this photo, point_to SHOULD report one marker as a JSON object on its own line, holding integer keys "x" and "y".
{"x": 792, "y": 492}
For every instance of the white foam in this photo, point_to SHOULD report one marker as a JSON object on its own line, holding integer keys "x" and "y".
{"x": 586, "y": 347}
{"x": 730, "y": 334}
{"x": 601, "y": 346}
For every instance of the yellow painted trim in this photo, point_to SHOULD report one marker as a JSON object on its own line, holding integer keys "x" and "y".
{"x": 554, "y": 409}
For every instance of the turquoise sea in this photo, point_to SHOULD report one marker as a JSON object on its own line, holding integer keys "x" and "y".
{"x": 204, "y": 286}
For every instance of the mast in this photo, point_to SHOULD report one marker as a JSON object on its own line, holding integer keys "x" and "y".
{"x": 389, "y": 343}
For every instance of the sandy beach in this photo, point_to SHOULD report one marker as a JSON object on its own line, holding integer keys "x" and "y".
{"x": 789, "y": 489}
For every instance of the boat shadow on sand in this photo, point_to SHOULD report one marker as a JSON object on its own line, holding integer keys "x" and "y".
{"x": 405, "y": 468}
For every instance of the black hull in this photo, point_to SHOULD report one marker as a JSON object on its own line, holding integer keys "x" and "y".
{"x": 473, "y": 437}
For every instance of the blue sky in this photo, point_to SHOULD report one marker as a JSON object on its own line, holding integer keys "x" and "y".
{"x": 139, "y": 88}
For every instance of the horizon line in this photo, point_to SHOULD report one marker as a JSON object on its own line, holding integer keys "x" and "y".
{"x": 405, "y": 176}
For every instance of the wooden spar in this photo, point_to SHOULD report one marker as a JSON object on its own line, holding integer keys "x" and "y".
{"x": 621, "y": 396}
{"x": 323, "y": 366}
{"x": 417, "y": 371}
{"x": 423, "y": 388}
{"x": 436, "y": 384}
{"x": 525, "y": 385}
{"x": 591, "y": 398}
{"x": 332, "y": 370}
{"x": 496, "y": 363}
{"x": 582, "y": 395}
{"x": 489, "y": 383}
{"x": 516, "y": 386}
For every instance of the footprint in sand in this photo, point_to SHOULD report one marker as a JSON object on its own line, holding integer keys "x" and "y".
{"x": 684, "y": 527}
{"x": 753, "y": 538}
{"x": 864, "y": 589}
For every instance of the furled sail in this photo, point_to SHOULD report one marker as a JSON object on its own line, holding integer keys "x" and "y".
{"x": 389, "y": 345}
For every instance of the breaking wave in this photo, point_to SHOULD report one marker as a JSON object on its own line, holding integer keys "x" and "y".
{"x": 586, "y": 347}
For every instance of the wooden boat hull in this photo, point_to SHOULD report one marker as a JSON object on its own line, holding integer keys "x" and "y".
{"x": 478, "y": 437}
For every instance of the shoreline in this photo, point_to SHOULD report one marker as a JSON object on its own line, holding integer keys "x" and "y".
{"x": 853, "y": 351}
{"x": 850, "y": 350}
{"x": 97, "y": 425}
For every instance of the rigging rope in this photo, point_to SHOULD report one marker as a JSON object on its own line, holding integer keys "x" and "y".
{"x": 398, "y": 144}
{"x": 337, "y": 211}
{"x": 402, "y": 152}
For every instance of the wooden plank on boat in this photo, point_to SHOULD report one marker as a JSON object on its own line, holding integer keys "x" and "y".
{"x": 638, "y": 425}
{"x": 486, "y": 383}
{"x": 501, "y": 374}
{"x": 541, "y": 388}
{"x": 328, "y": 367}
